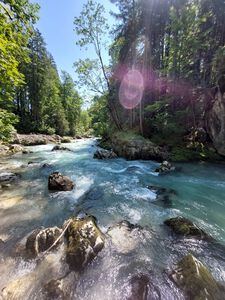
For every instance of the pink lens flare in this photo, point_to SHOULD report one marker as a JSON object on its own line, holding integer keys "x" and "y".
{"x": 131, "y": 89}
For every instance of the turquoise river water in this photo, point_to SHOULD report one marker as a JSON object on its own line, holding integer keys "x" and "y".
{"x": 111, "y": 190}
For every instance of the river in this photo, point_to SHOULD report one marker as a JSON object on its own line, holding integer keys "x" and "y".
{"x": 112, "y": 190}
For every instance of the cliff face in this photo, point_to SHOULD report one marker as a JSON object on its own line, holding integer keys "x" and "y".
{"x": 215, "y": 122}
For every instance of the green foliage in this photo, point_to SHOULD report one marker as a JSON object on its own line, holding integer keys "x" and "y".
{"x": 7, "y": 120}
{"x": 84, "y": 123}
{"x": 99, "y": 116}
{"x": 71, "y": 102}
{"x": 16, "y": 19}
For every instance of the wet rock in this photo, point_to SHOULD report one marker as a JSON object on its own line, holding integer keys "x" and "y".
{"x": 26, "y": 151}
{"x": 60, "y": 148}
{"x": 84, "y": 241}
{"x": 185, "y": 227}
{"x": 165, "y": 167}
{"x": 143, "y": 289}
{"x": 125, "y": 236}
{"x": 53, "y": 290}
{"x": 59, "y": 182}
{"x": 42, "y": 239}
{"x": 15, "y": 148}
{"x": 5, "y": 185}
{"x": 196, "y": 280}
{"x": 46, "y": 165}
{"x": 33, "y": 164}
{"x": 3, "y": 150}
{"x": 104, "y": 154}
{"x": 8, "y": 177}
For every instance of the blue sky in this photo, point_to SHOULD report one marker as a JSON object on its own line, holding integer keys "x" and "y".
{"x": 56, "y": 26}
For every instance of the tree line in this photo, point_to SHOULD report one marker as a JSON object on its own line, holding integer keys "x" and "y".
{"x": 178, "y": 47}
{"x": 33, "y": 97}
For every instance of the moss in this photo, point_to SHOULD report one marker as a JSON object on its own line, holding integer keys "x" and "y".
{"x": 196, "y": 280}
{"x": 128, "y": 136}
{"x": 84, "y": 241}
{"x": 179, "y": 153}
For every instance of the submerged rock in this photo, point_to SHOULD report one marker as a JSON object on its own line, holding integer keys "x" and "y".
{"x": 185, "y": 227}
{"x": 165, "y": 167}
{"x": 143, "y": 289}
{"x": 8, "y": 177}
{"x": 42, "y": 239}
{"x": 60, "y": 148}
{"x": 104, "y": 154}
{"x": 59, "y": 182}
{"x": 163, "y": 195}
{"x": 196, "y": 280}
{"x": 84, "y": 241}
{"x": 125, "y": 236}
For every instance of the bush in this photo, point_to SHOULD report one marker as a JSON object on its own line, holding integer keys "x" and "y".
{"x": 7, "y": 122}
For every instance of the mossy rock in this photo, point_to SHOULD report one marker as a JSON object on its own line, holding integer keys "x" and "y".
{"x": 84, "y": 241}
{"x": 196, "y": 280}
{"x": 185, "y": 227}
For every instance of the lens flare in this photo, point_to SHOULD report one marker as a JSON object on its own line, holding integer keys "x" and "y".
{"x": 131, "y": 89}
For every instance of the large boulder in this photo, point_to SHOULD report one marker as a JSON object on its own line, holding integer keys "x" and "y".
{"x": 125, "y": 236}
{"x": 42, "y": 239}
{"x": 165, "y": 168}
{"x": 215, "y": 122}
{"x": 104, "y": 154}
{"x": 84, "y": 241}
{"x": 59, "y": 182}
{"x": 195, "y": 280}
{"x": 133, "y": 147}
{"x": 185, "y": 227}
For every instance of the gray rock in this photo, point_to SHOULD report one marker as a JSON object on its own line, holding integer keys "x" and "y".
{"x": 104, "y": 154}
{"x": 215, "y": 122}
{"x": 59, "y": 182}
{"x": 165, "y": 167}
{"x": 133, "y": 148}
{"x": 60, "y": 148}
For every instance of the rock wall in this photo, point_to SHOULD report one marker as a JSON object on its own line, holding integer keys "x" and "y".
{"x": 215, "y": 122}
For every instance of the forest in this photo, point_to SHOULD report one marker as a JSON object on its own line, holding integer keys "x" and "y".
{"x": 168, "y": 55}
